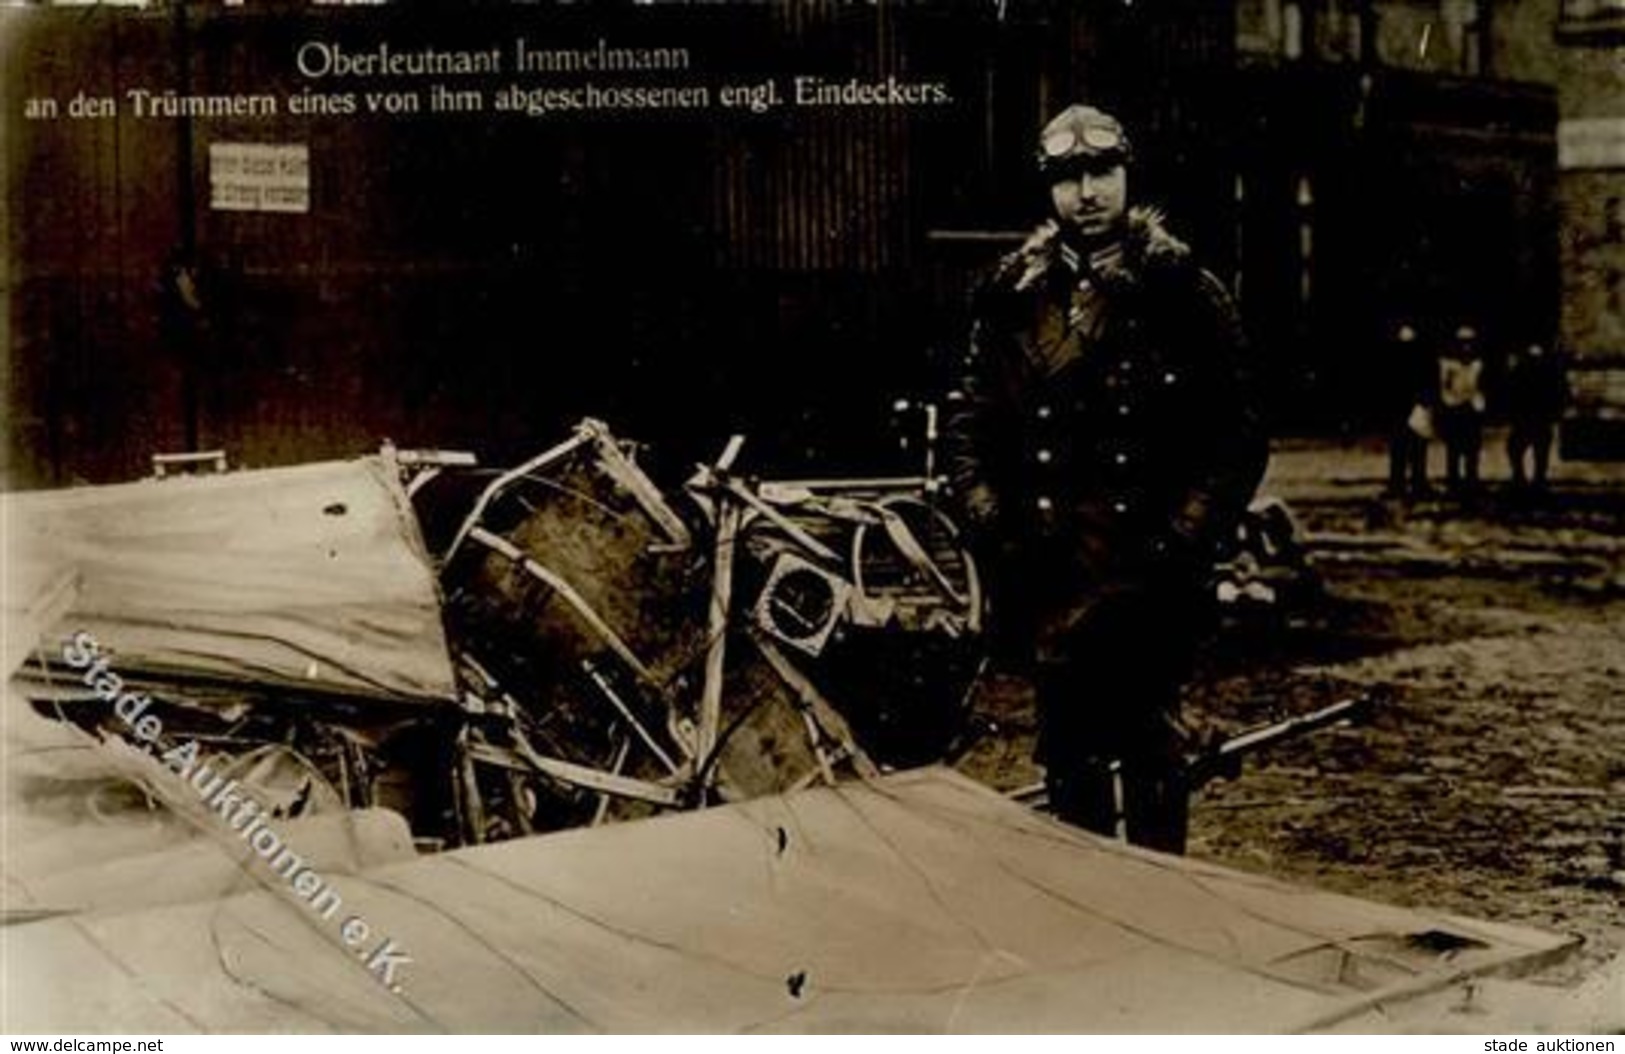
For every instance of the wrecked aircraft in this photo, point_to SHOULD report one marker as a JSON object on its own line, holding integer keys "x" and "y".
{"x": 404, "y": 658}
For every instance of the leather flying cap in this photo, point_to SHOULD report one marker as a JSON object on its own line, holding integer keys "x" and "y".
{"x": 1081, "y": 137}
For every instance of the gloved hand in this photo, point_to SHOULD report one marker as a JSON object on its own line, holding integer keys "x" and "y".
{"x": 981, "y": 509}
{"x": 1178, "y": 559}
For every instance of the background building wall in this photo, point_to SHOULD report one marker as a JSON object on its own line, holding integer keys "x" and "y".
{"x": 1398, "y": 164}
{"x": 1591, "y": 196}
{"x": 483, "y": 283}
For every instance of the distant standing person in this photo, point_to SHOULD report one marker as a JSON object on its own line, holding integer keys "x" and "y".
{"x": 1410, "y": 425}
{"x": 1535, "y": 397}
{"x": 1460, "y": 416}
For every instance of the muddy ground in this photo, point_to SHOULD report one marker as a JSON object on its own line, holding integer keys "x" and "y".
{"x": 1491, "y": 781}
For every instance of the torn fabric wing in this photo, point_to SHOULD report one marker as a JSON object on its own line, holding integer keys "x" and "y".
{"x": 311, "y": 577}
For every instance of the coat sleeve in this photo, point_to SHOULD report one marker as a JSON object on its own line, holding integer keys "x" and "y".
{"x": 977, "y": 417}
{"x": 1234, "y": 448}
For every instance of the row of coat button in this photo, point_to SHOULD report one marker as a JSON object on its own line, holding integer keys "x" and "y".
{"x": 1045, "y": 456}
{"x": 1047, "y": 504}
{"x": 1043, "y": 413}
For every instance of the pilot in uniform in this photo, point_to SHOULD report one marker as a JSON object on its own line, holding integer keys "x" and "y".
{"x": 1103, "y": 444}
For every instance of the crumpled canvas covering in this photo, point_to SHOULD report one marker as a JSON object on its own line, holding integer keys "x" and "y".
{"x": 312, "y": 577}
{"x": 918, "y": 902}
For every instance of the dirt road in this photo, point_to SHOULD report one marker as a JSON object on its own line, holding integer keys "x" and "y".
{"x": 1492, "y": 780}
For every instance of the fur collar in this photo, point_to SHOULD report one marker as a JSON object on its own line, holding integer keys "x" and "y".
{"x": 1147, "y": 249}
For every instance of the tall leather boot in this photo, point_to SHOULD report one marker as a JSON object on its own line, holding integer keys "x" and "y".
{"x": 1156, "y": 806}
{"x": 1084, "y": 796}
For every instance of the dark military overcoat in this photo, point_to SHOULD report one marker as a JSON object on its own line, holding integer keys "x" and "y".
{"x": 1104, "y": 434}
